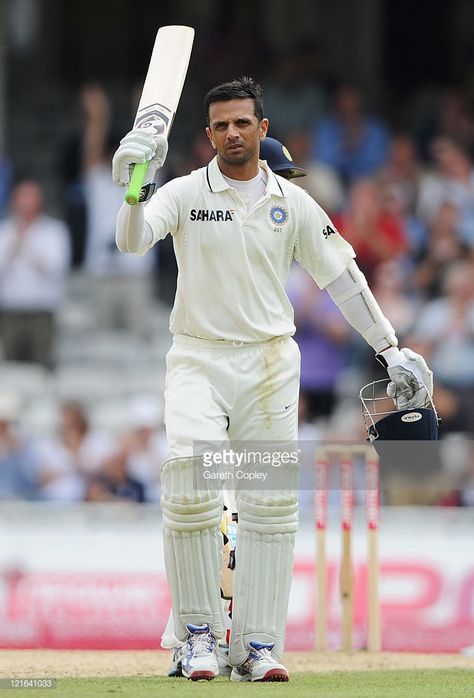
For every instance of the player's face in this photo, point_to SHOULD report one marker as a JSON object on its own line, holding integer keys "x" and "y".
{"x": 235, "y": 131}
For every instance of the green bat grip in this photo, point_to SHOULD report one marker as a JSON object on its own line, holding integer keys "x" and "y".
{"x": 136, "y": 183}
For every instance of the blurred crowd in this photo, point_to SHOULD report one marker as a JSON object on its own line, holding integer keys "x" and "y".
{"x": 403, "y": 197}
{"x": 78, "y": 462}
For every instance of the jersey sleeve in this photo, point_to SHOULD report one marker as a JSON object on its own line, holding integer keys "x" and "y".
{"x": 162, "y": 213}
{"x": 319, "y": 247}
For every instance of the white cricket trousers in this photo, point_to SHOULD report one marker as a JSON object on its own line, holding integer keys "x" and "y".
{"x": 218, "y": 391}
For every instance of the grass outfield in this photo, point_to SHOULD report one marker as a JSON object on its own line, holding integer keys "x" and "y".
{"x": 438, "y": 683}
{"x": 335, "y": 674}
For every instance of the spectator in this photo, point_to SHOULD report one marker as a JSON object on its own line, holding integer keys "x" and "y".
{"x": 34, "y": 259}
{"x": 444, "y": 248}
{"x": 321, "y": 182}
{"x": 403, "y": 171}
{"x": 114, "y": 482}
{"x": 395, "y": 206}
{"x": 376, "y": 235}
{"x": 447, "y": 111}
{"x": 391, "y": 288}
{"x": 451, "y": 182}
{"x": 72, "y": 193}
{"x": 75, "y": 454}
{"x": 122, "y": 283}
{"x": 196, "y": 155}
{"x": 291, "y": 83}
{"x": 323, "y": 336}
{"x": 455, "y": 407}
{"x": 445, "y": 329}
{"x": 143, "y": 447}
{"x": 17, "y": 457}
{"x": 354, "y": 143}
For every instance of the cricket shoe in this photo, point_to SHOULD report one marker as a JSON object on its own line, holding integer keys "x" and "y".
{"x": 199, "y": 661}
{"x": 260, "y": 665}
{"x": 175, "y": 669}
{"x": 225, "y": 668}
{"x": 177, "y": 654}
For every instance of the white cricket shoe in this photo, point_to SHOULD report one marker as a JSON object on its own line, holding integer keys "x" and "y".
{"x": 177, "y": 654}
{"x": 260, "y": 665}
{"x": 199, "y": 661}
{"x": 175, "y": 669}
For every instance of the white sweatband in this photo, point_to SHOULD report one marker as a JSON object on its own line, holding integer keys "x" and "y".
{"x": 356, "y": 302}
{"x": 391, "y": 357}
{"x": 133, "y": 233}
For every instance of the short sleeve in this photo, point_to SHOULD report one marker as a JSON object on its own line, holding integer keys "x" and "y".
{"x": 319, "y": 248}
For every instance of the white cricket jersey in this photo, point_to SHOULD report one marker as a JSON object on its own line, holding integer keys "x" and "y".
{"x": 234, "y": 263}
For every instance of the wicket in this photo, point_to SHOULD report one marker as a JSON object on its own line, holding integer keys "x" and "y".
{"x": 344, "y": 455}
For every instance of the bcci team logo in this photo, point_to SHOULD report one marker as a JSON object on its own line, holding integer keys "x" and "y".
{"x": 278, "y": 216}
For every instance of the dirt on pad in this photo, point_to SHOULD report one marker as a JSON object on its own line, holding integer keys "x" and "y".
{"x": 81, "y": 663}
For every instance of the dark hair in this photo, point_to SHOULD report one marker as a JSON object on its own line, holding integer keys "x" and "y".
{"x": 242, "y": 88}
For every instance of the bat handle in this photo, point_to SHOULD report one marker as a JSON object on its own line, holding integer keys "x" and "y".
{"x": 136, "y": 183}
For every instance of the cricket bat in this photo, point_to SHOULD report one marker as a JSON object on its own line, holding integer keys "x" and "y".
{"x": 161, "y": 92}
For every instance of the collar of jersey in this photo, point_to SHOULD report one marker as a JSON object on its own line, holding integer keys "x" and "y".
{"x": 217, "y": 183}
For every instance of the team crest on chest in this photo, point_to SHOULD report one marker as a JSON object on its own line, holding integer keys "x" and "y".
{"x": 278, "y": 216}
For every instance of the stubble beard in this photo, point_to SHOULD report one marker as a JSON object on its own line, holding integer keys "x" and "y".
{"x": 237, "y": 158}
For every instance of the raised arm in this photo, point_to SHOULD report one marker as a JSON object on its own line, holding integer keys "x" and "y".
{"x": 133, "y": 233}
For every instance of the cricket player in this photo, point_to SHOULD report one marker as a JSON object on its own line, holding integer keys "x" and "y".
{"x": 279, "y": 160}
{"x": 233, "y": 369}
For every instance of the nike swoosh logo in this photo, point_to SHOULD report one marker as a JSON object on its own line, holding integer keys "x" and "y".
{"x": 288, "y": 406}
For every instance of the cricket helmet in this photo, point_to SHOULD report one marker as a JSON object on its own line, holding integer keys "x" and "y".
{"x": 279, "y": 159}
{"x": 385, "y": 423}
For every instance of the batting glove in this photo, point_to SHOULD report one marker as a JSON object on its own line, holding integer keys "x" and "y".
{"x": 411, "y": 381}
{"x": 139, "y": 145}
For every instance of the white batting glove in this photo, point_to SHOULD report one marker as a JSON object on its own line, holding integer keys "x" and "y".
{"x": 139, "y": 145}
{"x": 411, "y": 384}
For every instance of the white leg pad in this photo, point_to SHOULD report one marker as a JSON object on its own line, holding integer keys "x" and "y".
{"x": 192, "y": 512}
{"x": 169, "y": 639}
{"x": 264, "y": 561}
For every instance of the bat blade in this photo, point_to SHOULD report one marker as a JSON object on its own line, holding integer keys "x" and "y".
{"x": 161, "y": 91}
